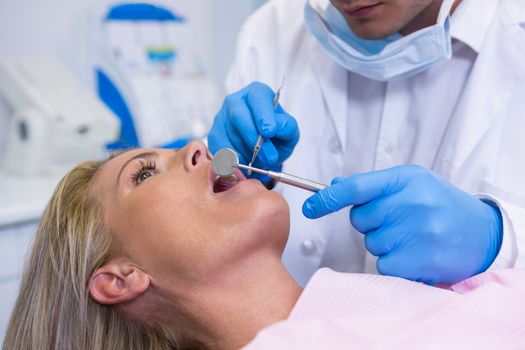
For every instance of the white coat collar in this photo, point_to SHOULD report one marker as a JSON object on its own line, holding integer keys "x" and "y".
{"x": 497, "y": 73}
{"x": 471, "y": 21}
{"x": 319, "y": 5}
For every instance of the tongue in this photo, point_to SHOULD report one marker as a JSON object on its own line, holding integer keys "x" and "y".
{"x": 222, "y": 184}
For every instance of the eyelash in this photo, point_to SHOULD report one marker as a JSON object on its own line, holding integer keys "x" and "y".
{"x": 142, "y": 167}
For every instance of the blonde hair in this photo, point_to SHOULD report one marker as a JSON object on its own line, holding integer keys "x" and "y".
{"x": 54, "y": 309}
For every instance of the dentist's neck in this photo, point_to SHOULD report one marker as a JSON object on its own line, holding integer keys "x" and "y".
{"x": 229, "y": 311}
{"x": 427, "y": 17}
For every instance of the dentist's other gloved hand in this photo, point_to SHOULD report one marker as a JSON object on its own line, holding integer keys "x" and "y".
{"x": 243, "y": 116}
{"x": 420, "y": 226}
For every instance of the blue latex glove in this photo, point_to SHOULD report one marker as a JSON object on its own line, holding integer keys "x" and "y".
{"x": 420, "y": 226}
{"x": 243, "y": 116}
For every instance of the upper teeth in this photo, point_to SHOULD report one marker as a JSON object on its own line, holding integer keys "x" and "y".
{"x": 231, "y": 177}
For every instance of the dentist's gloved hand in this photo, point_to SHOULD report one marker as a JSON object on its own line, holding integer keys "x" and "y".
{"x": 243, "y": 116}
{"x": 420, "y": 226}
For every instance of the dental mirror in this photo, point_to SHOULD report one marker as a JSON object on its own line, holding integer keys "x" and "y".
{"x": 225, "y": 161}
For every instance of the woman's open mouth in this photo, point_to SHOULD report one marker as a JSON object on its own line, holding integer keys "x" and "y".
{"x": 224, "y": 183}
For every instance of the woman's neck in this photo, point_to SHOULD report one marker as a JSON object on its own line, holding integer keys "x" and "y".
{"x": 228, "y": 310}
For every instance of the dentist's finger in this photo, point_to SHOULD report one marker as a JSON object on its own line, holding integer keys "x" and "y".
{"x": 286, "y": 127}
{"x": 353, "y": 190}
{"x": 269, "y": 154}
{"x": 241, "y": 126}
{"x": 384, "y": 240}
{"x": 259, "y": 98}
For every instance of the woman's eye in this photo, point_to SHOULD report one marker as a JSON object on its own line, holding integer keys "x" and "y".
{"x": 144, "y": 172}
{"x": 144, "y": 176}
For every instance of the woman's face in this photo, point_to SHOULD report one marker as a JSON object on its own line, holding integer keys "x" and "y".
{"x": 162, "y": 209}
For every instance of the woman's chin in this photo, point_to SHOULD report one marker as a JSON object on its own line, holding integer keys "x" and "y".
{"x": 272, "y": 218}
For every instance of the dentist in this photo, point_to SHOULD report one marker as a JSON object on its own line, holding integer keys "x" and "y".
{"x": 413, "y": 110}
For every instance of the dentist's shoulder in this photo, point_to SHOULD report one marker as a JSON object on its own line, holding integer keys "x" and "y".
{"x": 268, "y": 39}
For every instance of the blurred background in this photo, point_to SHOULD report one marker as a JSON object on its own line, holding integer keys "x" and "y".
{"x": 79, "y": 79}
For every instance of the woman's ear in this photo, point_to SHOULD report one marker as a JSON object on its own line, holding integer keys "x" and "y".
{"x": 117, "y": 282}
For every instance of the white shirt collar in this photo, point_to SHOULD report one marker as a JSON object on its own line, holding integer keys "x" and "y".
{"x": 471, "y": 21}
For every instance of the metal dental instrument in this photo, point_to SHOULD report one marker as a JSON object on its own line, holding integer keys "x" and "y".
{"x": 226, "y": 161}
{"x": 260, "y": 139}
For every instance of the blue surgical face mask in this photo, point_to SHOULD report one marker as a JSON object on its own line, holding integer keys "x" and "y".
{"x": 394, "y": 57}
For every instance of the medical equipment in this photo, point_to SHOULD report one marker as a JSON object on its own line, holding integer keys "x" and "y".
{"x": 149, "y": 74}
{"x": 226, "y": 161}
{"x": 53, "y": 122}
{"x": 260, "y": 139}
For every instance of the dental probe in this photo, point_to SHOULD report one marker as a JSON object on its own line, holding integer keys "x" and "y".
{"x": 288, "y": 179}
{"x": 226, "y": 161}
{"x": 260, "y": 139}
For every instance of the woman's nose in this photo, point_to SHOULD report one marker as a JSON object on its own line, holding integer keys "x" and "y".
{"x": 196, "y": 154}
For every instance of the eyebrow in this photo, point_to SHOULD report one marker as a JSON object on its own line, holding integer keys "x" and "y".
{"x": 144, "y": 155}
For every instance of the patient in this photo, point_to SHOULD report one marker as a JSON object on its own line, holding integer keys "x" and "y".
{"x": 147, "y": 251}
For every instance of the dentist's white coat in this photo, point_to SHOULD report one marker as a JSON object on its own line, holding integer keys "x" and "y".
{"x": 482, "y": 148}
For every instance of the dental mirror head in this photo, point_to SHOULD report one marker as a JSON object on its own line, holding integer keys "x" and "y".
{"x": 225, "y": 161}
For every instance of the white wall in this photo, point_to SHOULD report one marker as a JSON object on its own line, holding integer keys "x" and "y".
{"x": 61, "y": 28}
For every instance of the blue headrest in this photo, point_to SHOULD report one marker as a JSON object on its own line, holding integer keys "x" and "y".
{"x": 141, "y": 12}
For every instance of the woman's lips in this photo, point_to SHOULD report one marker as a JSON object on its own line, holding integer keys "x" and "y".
{"x": 361, "y": 11}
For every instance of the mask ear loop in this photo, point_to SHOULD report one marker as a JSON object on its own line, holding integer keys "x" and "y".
{"x": 444, "y": 12}
{"x": 444, "y": 22}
